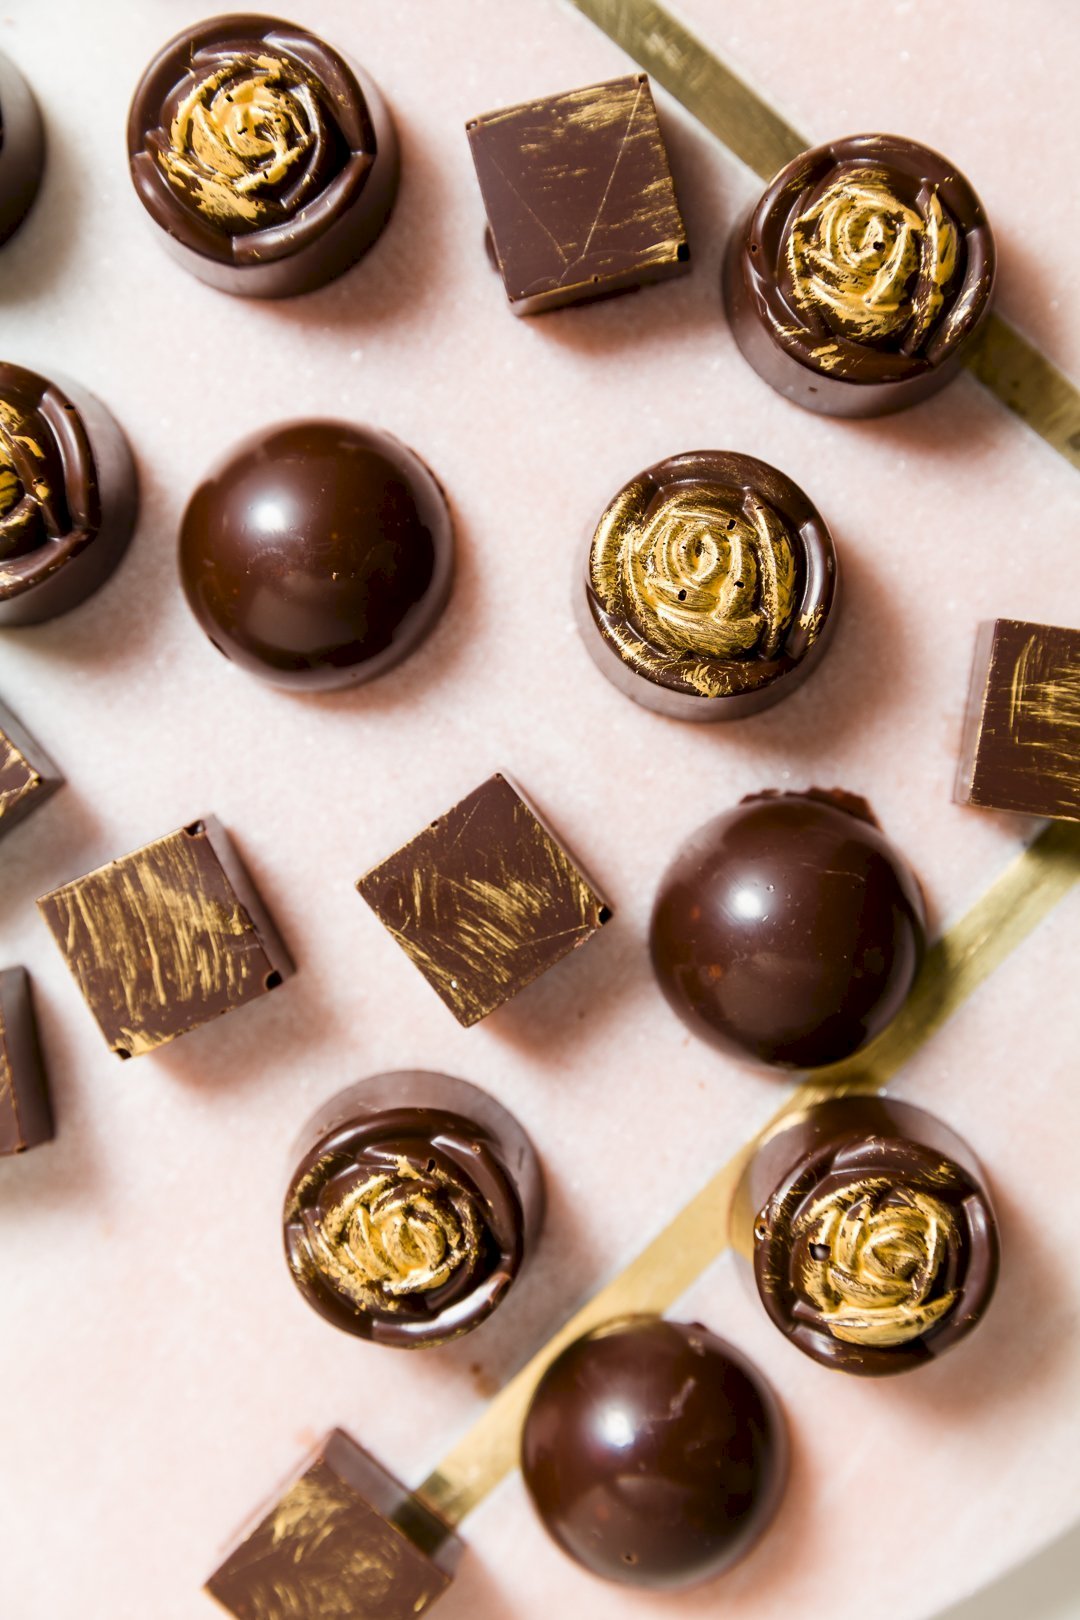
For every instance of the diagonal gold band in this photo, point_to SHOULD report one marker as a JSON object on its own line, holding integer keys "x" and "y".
{"x": 1006, "y": 363}
{"x": 954, "y": 968}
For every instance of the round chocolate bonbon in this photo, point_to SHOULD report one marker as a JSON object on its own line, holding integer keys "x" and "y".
{"x": 858, "y": 282}
{"x": 413, "y": 1203}
{"x": 654, "y": 1453}
{"x": 874, "y": 1242}
{"x": 68, "y": 496}
{"x": 22, "y": 148}
{"x": 710, "y": 587}
{"x": 788, "y": 930}
{"x": 268, "y": 159}
{"x": 317, "y": 554}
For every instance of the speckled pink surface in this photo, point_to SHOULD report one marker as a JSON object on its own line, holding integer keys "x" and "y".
{"x": 159, "y": 1373}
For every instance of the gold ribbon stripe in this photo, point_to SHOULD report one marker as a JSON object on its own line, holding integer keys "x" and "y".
{"x": 954, "y": 968}
{"x": 1014, "y": 370}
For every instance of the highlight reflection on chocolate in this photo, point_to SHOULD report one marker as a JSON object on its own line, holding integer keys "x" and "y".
{"x": 22, "y": 148}
{"x": 710, "y": 586}
{"x": 268, "y": 158}
{"x": 873, "y": 1237}
{"x": 858, "y": 282}
{"x": 413, "y": 1204}
{"x": 68, "y": 496}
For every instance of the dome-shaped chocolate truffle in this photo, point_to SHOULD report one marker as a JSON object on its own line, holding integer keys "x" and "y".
{"x": 788, "y": 929}
{"x": 317, "y": 554}
{"x": 22, "y": 148}
{"x": 654, "y": 1453}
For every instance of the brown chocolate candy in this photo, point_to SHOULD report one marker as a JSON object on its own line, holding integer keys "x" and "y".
{"x": 28, "y": 777}
{"x": 710, "y": 587}
{"x": 413, "y": 1204}
{"x": 788, "y": 930}
{"x": 579, "y": 196}
{"x": 68, "y": 496}
{"x": 1021, "y": 745}
{"x": 317, "y": 554}
{"x": 25, "y": 1115}
{"x": 859, "y": 282}
{"x": 344, "y": 1541}
{"x": 873, "y": 1237}
{"x": 268, "y": 159}
{"x": 167, "y": 938}
{"x": 22, "y": 148}
{"x": 654, "y": 1453}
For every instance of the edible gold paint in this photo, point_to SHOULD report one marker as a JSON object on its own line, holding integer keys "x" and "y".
{"x": 18, "y": 777}
{"x": 1044, "y": 710}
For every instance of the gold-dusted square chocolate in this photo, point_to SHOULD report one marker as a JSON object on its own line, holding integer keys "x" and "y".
{"x": 345, "y": 1541}
{"x": 579, "y": 195}
{"x": 25, "y": 1115}
{"x": 167, "y": 938}
{"x": 1021, "y": 747}
{"x": 484, "y": 900}
{"x": 27, "y": 775}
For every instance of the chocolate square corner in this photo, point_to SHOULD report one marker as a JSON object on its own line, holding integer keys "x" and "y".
{"x": 579, "y": 194}
{"x": 344, "y": 1541}
{"x": 167, "y": 938}
{"x": 25, "y": 1115}
{"x": 484, "y": 900}
{"x": 28, "y": 777}
{"x": 1021, "y": 744}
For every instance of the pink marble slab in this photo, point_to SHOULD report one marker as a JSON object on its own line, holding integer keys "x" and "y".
{"x": 159, "y": 1373}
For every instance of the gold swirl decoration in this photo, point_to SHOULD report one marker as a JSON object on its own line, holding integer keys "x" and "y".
{"x": 241, "y": 140}
{"x": 705, "y": 575}
{"x": 873, "y": 267}
{"x": 875, "y": 1259}
{"x": 394, "y": 1233}
{"x": 27, "y": 477}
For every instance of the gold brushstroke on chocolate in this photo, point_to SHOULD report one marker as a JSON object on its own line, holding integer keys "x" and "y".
{"x": 1021, "y": 377}
{"x": 25, "y": 480}
{"x": 703, "y": 575}
{"x": 875, "y": 268}
{"x": 18, "y": 778}
{"x": 1044, "y": 708}
{"x": 955, "y": 966}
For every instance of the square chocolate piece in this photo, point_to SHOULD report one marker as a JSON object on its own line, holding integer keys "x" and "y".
{"x": 167, "y": 938}
{"x": 484, "y": 900}
{"x": 345, "y": 1541}
{"x": 25, "y": 1116}
{"x": 27, "y": 775}
{"x": 579, "y": 195}
{"x": 1021, "y": 747}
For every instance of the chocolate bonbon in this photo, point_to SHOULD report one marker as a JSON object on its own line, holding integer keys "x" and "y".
{"x": 873, "y": 1237}
{"x": 166, "y": 938}
{"x": 859, "y": 281}
{"x": 317, "y": 554}
{"x": 412, "y": 1206}
{"x": 343, "y": 1541}
{"x": 710, "y": 587}
{"x": 1021, "y": 743}
{"x": 22, "y": 148}
{"x": 484, "y": 900}
{"x": 579, "y": 195}
{"x": 788, "y": 930}
{"x": 654, "y": 1453}
{"x": 68, "y": 496}
{"x": 28, "y": 777}
{"x": 267, "y": 159}
{"x": 25, "y": 1114}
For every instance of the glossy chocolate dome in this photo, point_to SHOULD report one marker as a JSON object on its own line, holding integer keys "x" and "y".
{"x": 788, "y": 930}
{"x": 317, "y": 554}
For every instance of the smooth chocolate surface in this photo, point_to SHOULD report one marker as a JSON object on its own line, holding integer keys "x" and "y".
{"x": 28, "y": 777}
{"x": 268, "y": 159}
{"x": 710, "y": 587}
{"x": 68, "y": 496}
{"x": 344, "y": 1541}
{"x": 484, "y": 900}
{"x": 167, "y": 938}
{"x": 579, "y": 195}
{"x": 412, "y": 1206}
{"x": 1021, "y": 743}
{"x": 654, "y": 1453}
{"x": 25, "y": 1115}
{"x": 874, "y": 1243}
{"x": 858, "y": 283}
{"x": 22, "y": 148}
{"x": 317, "y": 554}
{"x": 788, "y": 930}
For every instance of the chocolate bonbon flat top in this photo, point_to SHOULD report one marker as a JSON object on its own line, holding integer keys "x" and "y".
{"x": 25, "y": 1114}
{"x": 28, "y": 778}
